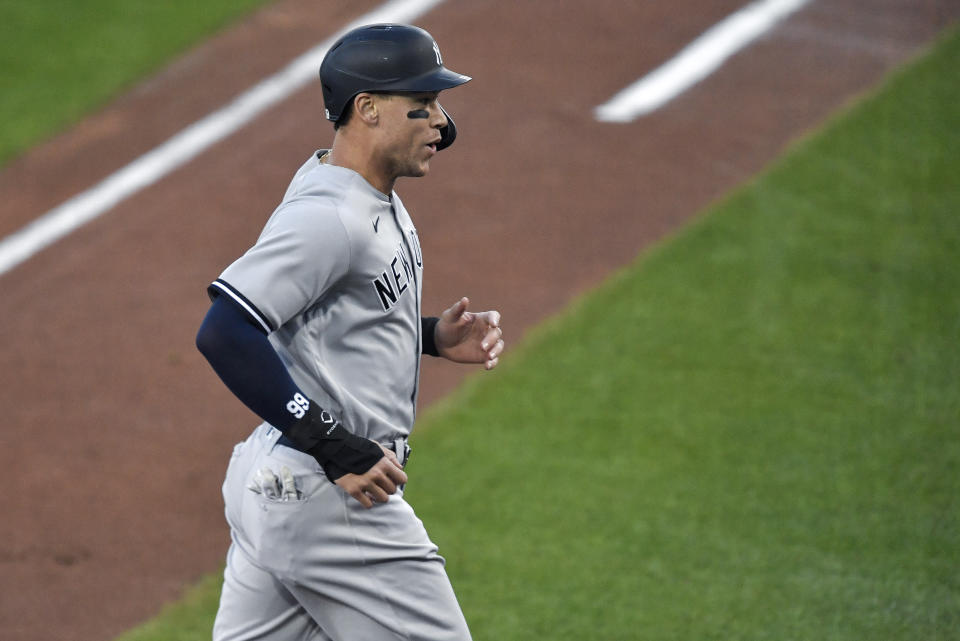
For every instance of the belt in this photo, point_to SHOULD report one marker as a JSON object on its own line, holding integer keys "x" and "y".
{"x": 399, "y": 447}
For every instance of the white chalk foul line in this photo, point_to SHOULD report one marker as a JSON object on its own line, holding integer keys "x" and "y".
{"x": 160, "y": 161}
{"x": 696, "y": 61}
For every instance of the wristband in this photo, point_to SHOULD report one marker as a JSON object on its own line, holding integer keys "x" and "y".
{"x": 428, "y": 325}
{"x": 336, "y": 449}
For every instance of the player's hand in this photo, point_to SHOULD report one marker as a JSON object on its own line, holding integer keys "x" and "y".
{"x": 376, "y": 484}
{"x": 469, "y": 337}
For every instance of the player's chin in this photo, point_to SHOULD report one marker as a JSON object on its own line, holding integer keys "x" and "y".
{"x": 424, "y": 164}
{"x": 420, "y": 169}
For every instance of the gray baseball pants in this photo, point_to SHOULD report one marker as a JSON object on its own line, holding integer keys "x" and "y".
{"x": 307, "y": 561}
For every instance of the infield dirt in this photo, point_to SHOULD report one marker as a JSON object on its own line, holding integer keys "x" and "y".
{"x": 118, "y": 433}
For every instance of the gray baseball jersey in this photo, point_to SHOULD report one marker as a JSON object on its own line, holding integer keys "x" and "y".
{"x": 335, "y": 278}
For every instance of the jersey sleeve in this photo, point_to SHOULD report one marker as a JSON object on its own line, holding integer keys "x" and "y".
{"x": 303, "y": 250}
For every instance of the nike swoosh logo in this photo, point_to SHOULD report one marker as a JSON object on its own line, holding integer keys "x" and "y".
{"x": 375, "y": 224}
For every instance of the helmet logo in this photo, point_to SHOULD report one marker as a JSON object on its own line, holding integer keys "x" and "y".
{"x": 436, "y": 52}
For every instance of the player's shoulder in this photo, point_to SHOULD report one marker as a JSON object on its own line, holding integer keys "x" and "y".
{"x": 321, "y": 196}
{"x": 316, "y": 181}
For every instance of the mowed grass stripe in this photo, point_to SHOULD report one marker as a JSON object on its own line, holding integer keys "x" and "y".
{"x": 751, "y": 433}
{"x": 61, "y": 59}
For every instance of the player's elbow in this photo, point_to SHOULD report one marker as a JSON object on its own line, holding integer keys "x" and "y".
{"x": 226, "y": 332}
{"x": 207, "y": 339}
{"x": 211, "y": 337}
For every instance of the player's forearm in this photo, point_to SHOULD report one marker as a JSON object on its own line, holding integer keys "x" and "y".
{"x": 246, "y": 362}
{"x": 242, "y": 356}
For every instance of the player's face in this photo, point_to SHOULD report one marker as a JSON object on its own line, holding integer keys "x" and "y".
{"x": 411, "y": 129}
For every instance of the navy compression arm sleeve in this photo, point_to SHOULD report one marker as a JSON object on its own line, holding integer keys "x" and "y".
{"x": 246, "y": 362}
{"x": 242, "y": 356}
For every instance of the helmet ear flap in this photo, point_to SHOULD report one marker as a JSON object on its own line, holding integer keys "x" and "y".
{"x": 448, "y": 133}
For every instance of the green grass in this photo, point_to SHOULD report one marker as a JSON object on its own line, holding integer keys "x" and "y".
{"x": 752, "y": 433}
{"x": 188, "y": 619}
{"x": 61, "y": 59}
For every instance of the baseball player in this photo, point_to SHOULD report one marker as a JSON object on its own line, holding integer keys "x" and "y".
{"x": 318, "y": 329}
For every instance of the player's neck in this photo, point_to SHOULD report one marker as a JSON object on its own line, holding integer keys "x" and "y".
{"x": 361, "y": 160}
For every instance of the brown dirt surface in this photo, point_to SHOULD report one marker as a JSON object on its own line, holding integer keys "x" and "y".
{"x": 117, "y": 433}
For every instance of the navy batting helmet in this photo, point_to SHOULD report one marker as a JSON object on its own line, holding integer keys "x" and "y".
{"x": 385, "y": 58}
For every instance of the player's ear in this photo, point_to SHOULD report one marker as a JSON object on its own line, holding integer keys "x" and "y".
{"x": 365, "y": 106}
